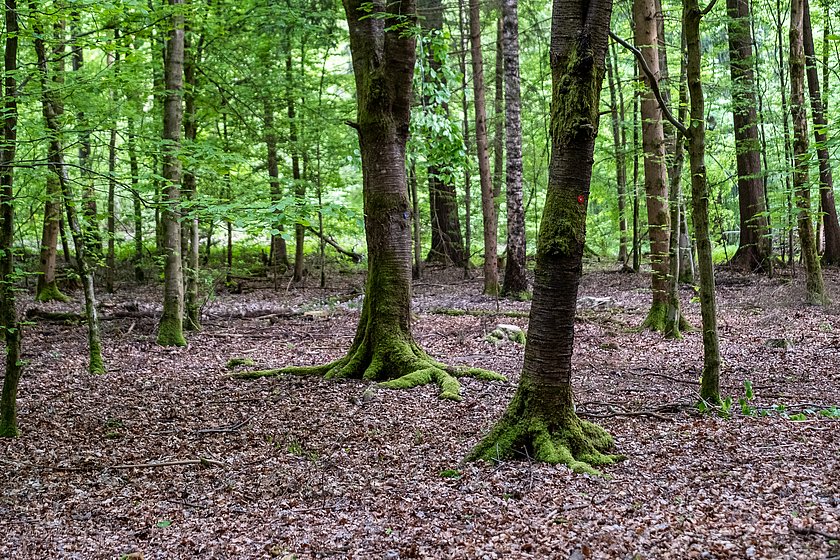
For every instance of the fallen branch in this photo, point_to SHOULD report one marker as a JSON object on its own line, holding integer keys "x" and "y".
{"x": 356, "y": 257}
{"x": 204, "y": 461}
{"x": 477, "y": 312}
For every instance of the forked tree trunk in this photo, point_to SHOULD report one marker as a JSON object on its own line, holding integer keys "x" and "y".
{"x": 491, "y": 272}
{"x": 171, "y": 327}
{"x": 541, "y": 417}
{"x": 710, "y": 381}
{"x": 47, "y": 287}
{"x": 383, "y": 348}
{"x": 831, "y": 254}
{"x": 516, "y": 281}
{"x": 8, "y": 307}
{"x": 754, "y": 244}
{"x": 52, "y": 110}
{"x": 813, "y": 272}
{"x": 656, "y": 179}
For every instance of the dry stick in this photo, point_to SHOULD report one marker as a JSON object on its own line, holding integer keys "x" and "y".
{"x": 200, "y": 461}
{"x": 223, "y": 429}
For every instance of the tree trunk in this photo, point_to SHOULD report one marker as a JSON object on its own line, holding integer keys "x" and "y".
{"x": 710, "y": 381}
{"x": 294, "y": 150}
{"x": 47, "y": 287}
{"x": 656, "y": 180}
{"x": 498, "y": 123}
{"x": 753, "y": 247}
{"x": 417, "y": 267}
{"x": 516, "y": 281}
{"x": 134, "y": 168}
{"x": 831, "y": 255}
{"x": 813, "y": 273}
{"x": 637, "y": 234}
{"x": 491, "y": 273}
{"x": 279, "y": 254}
{"x": 462, "y": 27}
{"x": 52, "y": 110}
{"x": 192, "y": 305}
{"x": 8, "y": 307}
{"x": 779, "y": 25}
{"x": 170, "y": 330}
{"x": 619, "y": 142}
{"x": 541, "y": 417}
{"x": 111, "y": 258}
{"x": 383, "y": 349}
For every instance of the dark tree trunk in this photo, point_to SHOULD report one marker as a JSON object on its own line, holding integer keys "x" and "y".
{"x": 831, "y": 254}
{"x": 294, "y": 149}
{"x": 710, "y": 381}
{"x": 52, "y": 110}
{"x": 754, "y": 245}
{"x": 171, "y": 327}
{"x": 447, "y": 244}
{"x": 8, "y": 308}
{"x": 619, "y": 152}
{"x": 279, "y": 254}
{"x": 383, "y": 348}
{"x": 814, "y": 283}
{"x": 488, "y": 204}
{"x": 134, "y": 168}
{"x": 462, "y": 27}
{"x": 516, "y": 281}
{"x": 656, "y": 178}
{"x": 190, "y": 239}
{"x": 541, "y": 417}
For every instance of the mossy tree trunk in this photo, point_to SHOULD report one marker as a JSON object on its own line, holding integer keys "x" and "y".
{"x": 383, "y": 349}
{"x": 516, "y": 280}
{"x": 710, "y": 381}
{"x": 541, "y": 418}
{"x": 52, "y": 110}
{"x": 170, "y": 329}
{"x": 831, "y": 254}
{"x": 754, "y": 244}
{"x": 8, "y": 308}
{"x": 656, "y": 179}
{"x": 814, "y": 283}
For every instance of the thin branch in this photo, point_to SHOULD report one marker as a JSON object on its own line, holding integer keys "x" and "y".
{"x": 708, "y": 8}
{"x": 654, "y": 85}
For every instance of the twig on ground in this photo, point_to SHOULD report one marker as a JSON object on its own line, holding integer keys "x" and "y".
{"x": 204, "y": 461}
{"x": 223, "y": 429}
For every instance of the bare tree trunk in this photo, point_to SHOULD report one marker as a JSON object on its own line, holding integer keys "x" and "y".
{"x": 417, "y": 268}
{"x": 491, "y": 273}
{"x": 619, "y": 152}
{"x": 47, "y": 289}
{"x": 190, "y": 239}
{"x": 134, "y": 168}
{"x": 8, "y": 307}
{"x": 111, "y": 258}
{"x": 813, "y": 273}
{"x": 785, "y": 127}
{"x": 462, "y": 27}
{"x": 294, "y": 149}
{"x": 516, "y": 281}
{"x": 637, "y": 237}
{"x": 170, "y": 330}
{"x": 710, "y": 380}
{"x": 656, "y": 180}
{"x": 828, "y": 210}
{"x": 540, "y": 422}
{"x": 279, "y": 254}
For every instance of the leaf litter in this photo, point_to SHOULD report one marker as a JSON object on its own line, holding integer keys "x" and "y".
{"x": 166, "y": 456}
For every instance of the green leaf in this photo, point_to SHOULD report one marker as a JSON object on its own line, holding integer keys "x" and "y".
{"x": 163, "y": 523}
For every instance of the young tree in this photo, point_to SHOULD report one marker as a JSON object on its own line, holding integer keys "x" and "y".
{"x": 619, "y": 151}
{"x": 488, "y": 208}
{"x": 171, "y": 327}
{"x": 754, "y": 244}
{"x": 8, "y": 308}
{"x": 541, "y": 417}
{"x": 382, "y": 45}
{"x": 516, "y": 282}
{"x": 813, "y": 273}
{"x": 190, "y": 233}
{"x": 47, "y": 289}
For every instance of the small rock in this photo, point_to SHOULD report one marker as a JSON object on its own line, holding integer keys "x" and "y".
{"x": 590, "y": 302}
{"x": 504, "y": 332}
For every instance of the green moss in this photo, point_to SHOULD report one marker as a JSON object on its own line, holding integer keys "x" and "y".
{"x": 96, "y": 365}
{"x": 236, "y": 362}
{"x": 657, "y": 317}
{"x": 171, "y": 332}
{"x": 50, "y": 292}
{"x": 478, "y": 373}
{"x": 9, "y": 430}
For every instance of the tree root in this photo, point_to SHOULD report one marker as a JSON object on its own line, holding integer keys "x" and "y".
{"x": 398, "y": 365}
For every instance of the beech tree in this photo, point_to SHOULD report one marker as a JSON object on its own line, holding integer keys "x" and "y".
{"x": 541, "y": 417}
{"x": 382, "y": 45}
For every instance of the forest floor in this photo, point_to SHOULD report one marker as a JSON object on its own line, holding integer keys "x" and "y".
{"x": 306, "y": 468}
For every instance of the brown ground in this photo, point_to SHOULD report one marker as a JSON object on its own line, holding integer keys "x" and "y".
{"x": 308, "y": 469}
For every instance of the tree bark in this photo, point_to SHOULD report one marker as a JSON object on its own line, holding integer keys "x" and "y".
{"x": 52, "y": 110}
{"x": 490, "y": 219}
{"x": 462, "y": 27}
{"x": 137, "y": 202}
{"x": 170, "y": 329}
{"x": 190, "y": 237}
{"x": 47, "y": 289}
{"x": 754, "y": 245}
{"x": 8, "y": 307}
{"x": 516, "y": 281}
{"x": 656, "y": 180}
{"x": 710, "y": 380}
{"x": 619, "y": 152}
{"x": 814, "y": 283}
{"x": 831, "y": 226}
{"x": 294, "y": 150}
{"x": 541, "y": 417}
{"x": 279, "y": 254}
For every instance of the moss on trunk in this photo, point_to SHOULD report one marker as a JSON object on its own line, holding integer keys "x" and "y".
{"x": 50, "y": 292}
{"x": 170, "y": 331}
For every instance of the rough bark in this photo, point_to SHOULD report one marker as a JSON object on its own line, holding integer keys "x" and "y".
{"x": 814, "y": 283}
{"x": 170, "y": 329}
{"x": 831, "y": 226}
{"x": 541, "y": 417}
{"x": 516, "y": 281}
{"x": 656, "y": 179}
{"x": 8, "y": 308}
{"x": 754, "y": 245}
{"x": 710, "y": 380}
{"x": 491, "y": 273}
{"x": 52, "y": 110}
{"x": 383, "y": 349}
